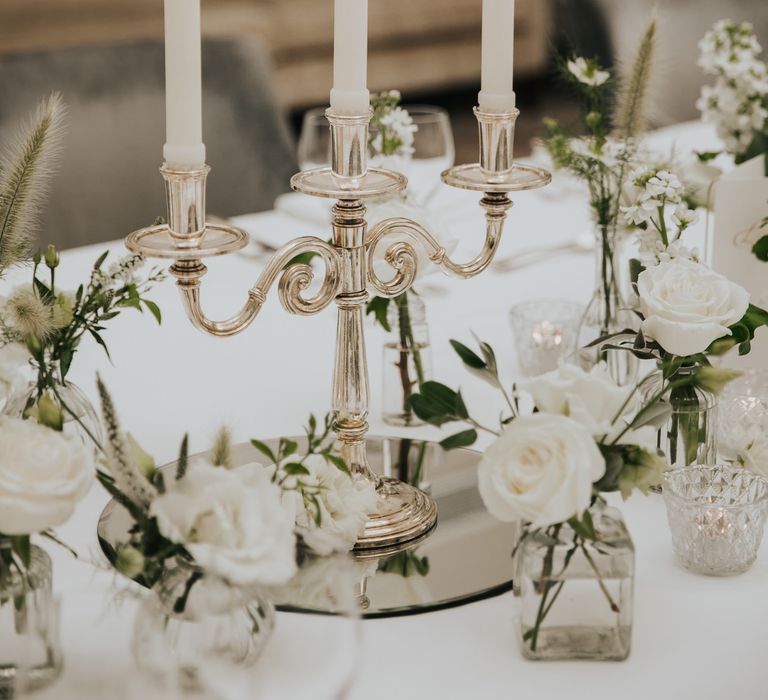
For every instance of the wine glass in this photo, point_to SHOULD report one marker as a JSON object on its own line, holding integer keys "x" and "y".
{"x": 314, "y": 149}
{"x": 433, "y": 152}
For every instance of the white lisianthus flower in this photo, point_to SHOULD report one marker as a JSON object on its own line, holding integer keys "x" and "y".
{"x": 541, "y": 469}
{"x": 232, "y": 521}
{"x": 687, "y": 306}
{"x": 13, "y": 357}
{"x": 587, "y": 72}
{"x": 43, "y": 475}
{"x": 344, "y": 503}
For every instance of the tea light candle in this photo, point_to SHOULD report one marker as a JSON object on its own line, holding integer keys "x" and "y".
{"x": 350, "y": 57}
{"x": 496, "y": 93}
{"x": 184, "y": 146}
{"x": 547, "y": 335}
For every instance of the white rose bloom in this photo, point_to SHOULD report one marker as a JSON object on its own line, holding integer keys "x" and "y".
{"x": 232, "y": 521}
{"x": 13, "y": 357}
{"x": 687, "y": 306}
{"x": 591, "y": 398}
{"x": 344, "y": 507}
{"x": 43, "y": 474}
{"x": 541, "y": 469}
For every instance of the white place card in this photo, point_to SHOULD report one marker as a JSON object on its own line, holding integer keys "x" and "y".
{"x": 740, "y": 205}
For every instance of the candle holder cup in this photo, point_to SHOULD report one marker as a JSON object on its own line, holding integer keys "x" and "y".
{"x": 716, "y": 515}
{"x": 403, "y": 512}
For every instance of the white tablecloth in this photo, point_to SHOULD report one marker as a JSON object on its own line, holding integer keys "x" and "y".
{"x": 694, "y": 637}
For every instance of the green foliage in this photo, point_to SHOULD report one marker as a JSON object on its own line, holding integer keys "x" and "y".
{"x": 438, "y": 404}
{"x": 405, "y": 564}
{"x": 742, "y": 333}
{"x": 25, "y": 168}
{"x": 57, "y": 321}
{"x": 378, "y": 307}
{"x": 760, "y": 249}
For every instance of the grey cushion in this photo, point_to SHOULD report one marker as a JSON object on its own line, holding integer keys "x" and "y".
{"x": 108, "y": 183}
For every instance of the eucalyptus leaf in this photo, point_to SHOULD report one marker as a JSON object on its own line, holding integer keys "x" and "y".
{"x": 462, "y": 439}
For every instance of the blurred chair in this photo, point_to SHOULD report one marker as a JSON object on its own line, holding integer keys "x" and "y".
{"x": 681, "y": 24}
{"x": 108, "y": 184}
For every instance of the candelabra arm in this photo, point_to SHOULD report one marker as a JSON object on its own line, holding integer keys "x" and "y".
{"x": 294, "y": 281}
{"x": 403, "y": 257}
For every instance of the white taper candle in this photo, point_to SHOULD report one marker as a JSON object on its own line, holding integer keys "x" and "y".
{"x": 184, "y": 146}
{"x": 350, "y": 57}
{"x": 496, "y": 93}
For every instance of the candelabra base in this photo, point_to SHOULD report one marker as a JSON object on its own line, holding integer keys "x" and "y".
{"x": 404, "y": 513}
{"x": 520, "y": 177}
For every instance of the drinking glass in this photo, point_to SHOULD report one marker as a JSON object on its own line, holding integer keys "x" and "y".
{"x": 545, "y": 330}
{"x": 716, "y": 515}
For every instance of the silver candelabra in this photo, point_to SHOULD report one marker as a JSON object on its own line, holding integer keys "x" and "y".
{"x": 404, "y": 512}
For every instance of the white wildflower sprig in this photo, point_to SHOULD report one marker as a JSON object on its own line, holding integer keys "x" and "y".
{"x": 737, "y": 103}
{"x": 126, "y": 474}
{"x": 587, "y": 71}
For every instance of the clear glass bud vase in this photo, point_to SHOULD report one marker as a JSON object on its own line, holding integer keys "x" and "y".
{"x": 30, "y": 650}
{"x": 689, "y": 435}
{"x": 406, "y": 358}
{"x": 577, "y": 594}
{"x": 609, "y": 311}
{"x": 78, "y": 414}
{"x": 197, "y": 629}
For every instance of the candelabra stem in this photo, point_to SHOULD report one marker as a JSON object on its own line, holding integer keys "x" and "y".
{"x": 403, "y": 513}
{"x": 350, "y": 372}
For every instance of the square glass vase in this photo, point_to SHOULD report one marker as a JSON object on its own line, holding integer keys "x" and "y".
{"x": 577, "y": 594}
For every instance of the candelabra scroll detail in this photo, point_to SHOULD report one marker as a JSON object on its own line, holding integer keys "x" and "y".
{"x": 294, "y": 280}
{"x": 403, "y": 257}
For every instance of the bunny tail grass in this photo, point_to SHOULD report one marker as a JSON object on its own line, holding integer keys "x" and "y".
{"x": 26, "y": 165}
{"x": 631, "y": 107}
{"x": 127, "y": 477}
{"x": 221, "y": 452}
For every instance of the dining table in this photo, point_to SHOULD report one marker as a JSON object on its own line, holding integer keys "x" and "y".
{"x": 694, "y": 637}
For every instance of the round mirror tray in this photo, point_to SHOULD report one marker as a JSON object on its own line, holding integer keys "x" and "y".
{"x": 465, "y": 558}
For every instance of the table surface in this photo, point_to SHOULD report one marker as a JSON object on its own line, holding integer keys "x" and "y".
{"x": 694, "y": 637}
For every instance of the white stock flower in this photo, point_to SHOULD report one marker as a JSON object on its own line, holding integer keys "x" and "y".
{"x": 344, "y": 503}
{"x": 587, "y": 72}
{"x": 541, "y": 469}
{"x": 683, "y": 217}
{"x": 736, "y": 102}
{"x": 43, "y": 474}
{"x": 232, "y": 521}
{"x": 687, "y": 306}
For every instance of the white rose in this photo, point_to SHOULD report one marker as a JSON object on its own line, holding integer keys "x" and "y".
{"x": 43, "y": 474}
{"x": 591, "y": 398}
{"x": 344, "y": 504}
{"x": 231, "y": 521}
{"x": 687, "y": 306}
{"x": 13, "y": 357}
{"x": 541, "y": 469}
